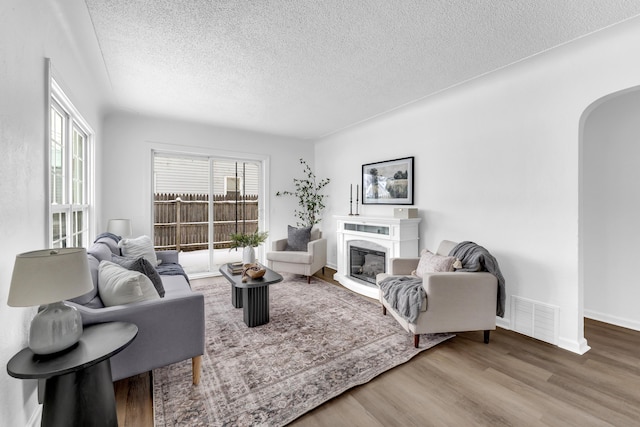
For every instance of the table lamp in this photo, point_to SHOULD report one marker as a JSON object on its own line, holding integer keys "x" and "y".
{"x": 120, "y": 227}
{"x": 46, "y": 277}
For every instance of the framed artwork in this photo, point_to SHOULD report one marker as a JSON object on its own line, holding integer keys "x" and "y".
{"x": 388, "y": 183}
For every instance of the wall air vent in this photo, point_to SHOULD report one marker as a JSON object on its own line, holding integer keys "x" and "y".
{"x": 535, "y": 319}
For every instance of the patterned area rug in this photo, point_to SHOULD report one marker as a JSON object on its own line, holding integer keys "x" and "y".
{"x": 321, "y": 340}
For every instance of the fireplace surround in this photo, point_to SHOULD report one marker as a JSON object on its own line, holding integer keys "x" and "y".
{"x": 366, "y": 244}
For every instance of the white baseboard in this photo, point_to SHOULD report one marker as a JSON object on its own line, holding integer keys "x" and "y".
{"x": 503, "y": 323}
{"x": 572, "y": 346}
{"x": 580, "y": 347}
{"x": 614, "y": 320}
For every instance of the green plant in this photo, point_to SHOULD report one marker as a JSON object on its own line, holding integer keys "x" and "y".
{"x": 310, "y": 200}
{"x": 240, "y": 240}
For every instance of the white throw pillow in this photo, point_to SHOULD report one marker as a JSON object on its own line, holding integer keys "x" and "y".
{"x": 117, "y": 285}
{"x": 432, "y": 263}
{"x": 139, "y": 247}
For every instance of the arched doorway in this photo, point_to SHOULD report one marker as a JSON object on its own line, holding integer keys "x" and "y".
{"x": 610, "y": 208}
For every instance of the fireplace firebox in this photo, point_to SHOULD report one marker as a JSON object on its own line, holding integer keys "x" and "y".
{"x": 365, "y": 264}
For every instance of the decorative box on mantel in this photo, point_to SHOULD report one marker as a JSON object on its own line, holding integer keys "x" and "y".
{"x": 365, "y": 246}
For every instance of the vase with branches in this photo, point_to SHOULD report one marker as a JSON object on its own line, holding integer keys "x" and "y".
{"x": 310, "y": 199}
{"x": 248, "y": 241}
{"x": 241, "y": 240}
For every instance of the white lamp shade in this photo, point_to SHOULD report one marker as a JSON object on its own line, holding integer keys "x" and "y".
{"x": 120, "y": 227}
{"x": 49, "y": 275}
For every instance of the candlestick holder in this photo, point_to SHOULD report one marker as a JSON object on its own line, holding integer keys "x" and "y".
{"x": 351, "y": 199}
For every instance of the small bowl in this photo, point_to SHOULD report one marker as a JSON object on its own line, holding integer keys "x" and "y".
{"x": 256, "y": 274}
{"x": 254, "y": 271}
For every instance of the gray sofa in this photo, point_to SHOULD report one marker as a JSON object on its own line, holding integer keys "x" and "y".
{"x": 170, "y": 329}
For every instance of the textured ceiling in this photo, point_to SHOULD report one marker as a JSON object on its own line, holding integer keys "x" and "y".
{"x": 309, "y": 68}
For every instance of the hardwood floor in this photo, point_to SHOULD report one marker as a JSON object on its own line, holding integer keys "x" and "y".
{"x": 134, "y": 401}
{"x": 513, "y": 381}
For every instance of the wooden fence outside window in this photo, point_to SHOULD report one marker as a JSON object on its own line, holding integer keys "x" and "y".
{"x": 182, "y": 220}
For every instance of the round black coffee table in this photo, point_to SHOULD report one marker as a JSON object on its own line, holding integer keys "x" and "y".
{"x": 78, "y": 389}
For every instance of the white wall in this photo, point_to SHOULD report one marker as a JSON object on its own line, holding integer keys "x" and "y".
{"x": 126, "y": 161}
{"x": 611, "y": 208}
{"x": 497, "y": 162}
{"x": 30, "y": 31}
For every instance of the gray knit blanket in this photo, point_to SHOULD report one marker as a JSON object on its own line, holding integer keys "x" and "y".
{"x": 404, "y": 294}
{"x": 172, "y": 269}
{"x": 476, "y": 258}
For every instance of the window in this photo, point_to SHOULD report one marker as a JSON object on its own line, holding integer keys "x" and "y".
{"x": 70, "y": 174}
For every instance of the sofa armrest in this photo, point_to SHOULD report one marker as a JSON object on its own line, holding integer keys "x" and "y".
{"x": 138, "y": 310}
{"x": 170, "y": 329}
{"x": 402, "y": 266}
{"x": 279, "y": 245}
{"x": 168, "y": 257}
{"x": 450, "y": 292}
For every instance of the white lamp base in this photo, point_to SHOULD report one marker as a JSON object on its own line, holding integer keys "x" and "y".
{"x": 56, "y": 327}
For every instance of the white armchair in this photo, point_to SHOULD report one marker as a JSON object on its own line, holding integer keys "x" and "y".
{"x": 305, "y": 263}
{"x": 455, "y": 301}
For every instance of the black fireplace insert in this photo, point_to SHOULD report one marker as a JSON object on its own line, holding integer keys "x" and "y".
{"x": 365, "y": 264}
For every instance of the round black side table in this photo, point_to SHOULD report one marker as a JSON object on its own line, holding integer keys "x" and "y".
{"x": 79, "y": 388}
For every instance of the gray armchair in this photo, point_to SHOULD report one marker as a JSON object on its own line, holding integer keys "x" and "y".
{"x": 455, "y": 301}
{"x": 305, "y": 263}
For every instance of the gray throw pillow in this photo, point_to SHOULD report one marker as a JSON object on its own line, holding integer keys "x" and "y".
{"x": 141, "y": 265}
{"x": 298, "y": 239}
{"x": 101, "y": 251}
{"x": 112, "y": 244}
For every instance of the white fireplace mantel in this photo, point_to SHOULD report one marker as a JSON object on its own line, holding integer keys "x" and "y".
{"x": 399, "y": 238}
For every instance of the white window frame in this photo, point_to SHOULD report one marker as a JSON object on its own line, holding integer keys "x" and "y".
{"x": 74, "y": 124}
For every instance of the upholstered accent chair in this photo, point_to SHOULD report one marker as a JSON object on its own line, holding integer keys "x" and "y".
{"x": 306, "y": 262}
{"x": 455, "y": 301}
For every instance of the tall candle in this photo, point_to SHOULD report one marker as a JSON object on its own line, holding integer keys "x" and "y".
{"x": 357, "y": 192}
{"x": 350, "y": 192}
